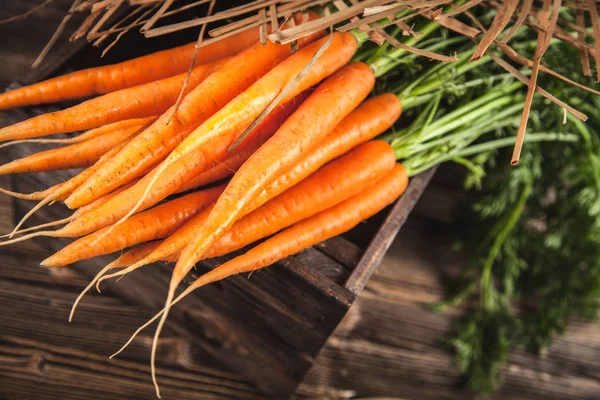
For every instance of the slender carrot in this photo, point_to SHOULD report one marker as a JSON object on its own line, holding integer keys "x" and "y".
{"x": 335, "y": 182}
{"x": 329, "y": 223}
{"x": 152, "y": 224}
{"x": 315, "y": 118}
{"x": 173, "y": 126}
{"x": 180, "y": 172}
{"x": 130, "y": 73}
{"x": 146, "y": 100}
{"x": 90, "y": 134}
{"x": 76, "y": 155}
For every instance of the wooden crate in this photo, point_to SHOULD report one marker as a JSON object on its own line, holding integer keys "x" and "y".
{"x": 268, "y": 328}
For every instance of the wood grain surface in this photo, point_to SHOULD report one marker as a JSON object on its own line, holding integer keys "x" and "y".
{"x": 387, "y": 346}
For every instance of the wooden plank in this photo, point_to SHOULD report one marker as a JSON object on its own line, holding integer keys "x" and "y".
{"x": 382, "y": 241}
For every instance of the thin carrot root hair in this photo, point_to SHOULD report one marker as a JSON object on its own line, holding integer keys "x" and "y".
{"x": 37, "y": 207}
{"x": 122, "y": 272}
{"x": 30, "y": 236}
{"x": 42, "y": 226}
{"x": 187, "y": 291}
{"x": 89, "y": 287}
{"x": 41, "y": 195}
{"x": 41, "y": 141}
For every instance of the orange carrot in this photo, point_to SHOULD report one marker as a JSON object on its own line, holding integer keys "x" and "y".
{"x": 315, "y": 118}
{"x": 180, "y": 172}
{"x": 90, "y": 134}
{"x": 153, "y": 224}
{"x": 146, "y": 100}
{"x": 329, "y": 223}
{"x": 335, "y": 182}
{"x": 172, "y": 127}
{"x": 129, "y": 73}
{"x": 76, "y": 155}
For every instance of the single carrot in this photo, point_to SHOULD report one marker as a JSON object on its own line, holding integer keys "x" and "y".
{"x": 152, "y": 224}
{"x": 335, "y": 98}
{"x": 146, "y": 100}
{"x": 173, "y": 126}
{"x": 329, "y": 223}
{"x": 76, "y": 155}
{"x": 335, "y": 182}
{"x": 90, "y": 134}
{"x": 180, "y": 172}
{"x": 129, "y": 73}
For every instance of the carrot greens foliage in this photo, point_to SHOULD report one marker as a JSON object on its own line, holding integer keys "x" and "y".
{"x": 532, "y": 237}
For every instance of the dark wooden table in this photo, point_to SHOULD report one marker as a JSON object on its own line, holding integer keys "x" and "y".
{"x": 387, "y": 346}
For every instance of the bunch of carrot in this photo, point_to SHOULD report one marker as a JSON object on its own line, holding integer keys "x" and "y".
{"x": 286, "y": 134}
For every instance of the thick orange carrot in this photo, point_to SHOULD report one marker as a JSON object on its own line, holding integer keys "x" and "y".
{"x": 152, "y": 224}
{"x": 180, "y": 172}
{"x": 335, "y": 182}
{"x": 146, "y": 100}
{"x": 169, "y": 130}
{"x": 335, "y": 98}
{"x": 130, "y": 73}
{"x": 90, "y": 134}
{"x": 76, "y": 155}
{"x": 329, "y": 223}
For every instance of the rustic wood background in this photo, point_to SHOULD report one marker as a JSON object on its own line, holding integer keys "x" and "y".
{"x": 388, "y": 346}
